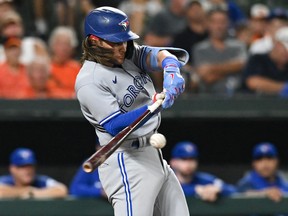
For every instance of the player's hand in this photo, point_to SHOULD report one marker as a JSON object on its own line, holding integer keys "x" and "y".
{"x": 208, "y": 193}
{"x": 173, "y": 81}
{"x": 274, "y": 194}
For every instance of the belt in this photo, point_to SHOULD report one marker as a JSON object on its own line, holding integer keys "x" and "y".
{"x": 139, "y": 142}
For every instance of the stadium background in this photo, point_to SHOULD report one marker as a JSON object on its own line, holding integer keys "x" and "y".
{"x": 62, "y": 138}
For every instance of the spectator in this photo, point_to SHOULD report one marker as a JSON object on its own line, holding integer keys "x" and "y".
{"x": 277, "y": 20}
{"x": 5, "y": 6}
{"x": 13, "y": 79}
{"x": 268, "y": 73}
{"x": 63, "y": 68}
{"x": 196, "y": 30}
{"x": 40, "y": 85}
{"x": 86, "y": 185}
{"x": 219, "y": 60}
{"x": 236, "y": 16}
{"x": 11, "y": 26}
{"x": 203, "y": 185}
{"x": 243, "y": 34}
{"x": 264, "y": 179}
{"x": 259, "y": 14}
{"x": 166, "y": 24}
{"x": 140, "y": 11}
{"x": 24, "y": 183}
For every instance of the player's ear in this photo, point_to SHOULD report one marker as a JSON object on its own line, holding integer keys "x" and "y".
{"x": 93, "y": 40}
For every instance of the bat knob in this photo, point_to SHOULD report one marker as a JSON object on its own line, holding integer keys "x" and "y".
{"x": 87, "y": 167}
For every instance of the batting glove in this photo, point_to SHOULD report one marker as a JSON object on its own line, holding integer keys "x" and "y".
{"x": 168, "y": 101}
{"x": 174, "y": 83}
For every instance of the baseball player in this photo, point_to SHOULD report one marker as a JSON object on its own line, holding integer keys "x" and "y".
{"x": 194, "y": 183}
{"x": 114, "y": 88}
{"x": 265, "y": 178}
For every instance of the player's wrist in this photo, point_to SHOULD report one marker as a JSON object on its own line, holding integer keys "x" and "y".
{"x": 171, "y": 65}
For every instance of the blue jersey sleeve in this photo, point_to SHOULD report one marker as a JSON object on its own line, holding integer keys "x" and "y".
{"x": 227, "y": 190}
{"x": 141, "y": 53}
{"x": 244, "y": 184}
{"x": 6, "y": 180}
{"x": 118, "y": 122}
{"x": 86, "y": 184}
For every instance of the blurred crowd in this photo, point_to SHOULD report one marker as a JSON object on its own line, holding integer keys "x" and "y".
{"x": 231, "y": 50}
{"x": 263, "y": 180}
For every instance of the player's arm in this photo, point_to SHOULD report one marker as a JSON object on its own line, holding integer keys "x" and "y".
{"x": 52, "y": 189}
{"x": 166, "y": 59}
{"x": 7, "y": 191}
{"x": 264, "y": 85}
{"x": 57, "y": 191}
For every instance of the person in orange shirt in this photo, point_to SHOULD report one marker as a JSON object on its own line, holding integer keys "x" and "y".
{"x": 63, "y": 68}
{"x": 40, "y": 86}
{"x": 13, "y": 78}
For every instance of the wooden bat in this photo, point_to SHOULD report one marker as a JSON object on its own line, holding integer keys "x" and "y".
{"x": 106, "y": 151}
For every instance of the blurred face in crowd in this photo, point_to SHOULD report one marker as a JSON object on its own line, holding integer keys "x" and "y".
{"x": 13, "y": 29}
{"x": 62, "y": 48}
{"x": 195, "y": 13}
{"x": 38, "y": 73}
{"x": 218, "y": 25}
{"x": 266, "y": 166}
{"x": 4, "y": 8}
{"x": 13, "y": 54}
{"x": 23, "y": 175}
{"x": 258, "y": 25}
{"x": 280, "y": 53}
{"x": 185, "y": 167}
{"x": 177, "y": 6}
{"x": 276, "y": 24}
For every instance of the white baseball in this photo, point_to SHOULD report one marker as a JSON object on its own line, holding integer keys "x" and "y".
{"x": 158, "y": 140}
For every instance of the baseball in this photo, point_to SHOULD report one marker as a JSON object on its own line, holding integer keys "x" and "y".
{"x": 158, "y": 140}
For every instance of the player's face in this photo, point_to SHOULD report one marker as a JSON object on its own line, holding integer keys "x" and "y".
{"x": 266, "y": 167}
{"x": 118, "y": 50}
{"x": 185, "y": 167}
{"x": 23, "y": 175}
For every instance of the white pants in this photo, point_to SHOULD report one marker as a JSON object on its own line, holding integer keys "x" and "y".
{"x": 138, "y": 182}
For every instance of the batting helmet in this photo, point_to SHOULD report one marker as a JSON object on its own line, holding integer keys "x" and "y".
{"x": 109, "y": 24}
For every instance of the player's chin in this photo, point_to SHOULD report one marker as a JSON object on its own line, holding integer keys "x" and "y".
{"x": 120, "y": 60}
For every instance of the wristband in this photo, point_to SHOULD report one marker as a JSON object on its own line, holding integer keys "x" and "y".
{"x": 170, "y": 62}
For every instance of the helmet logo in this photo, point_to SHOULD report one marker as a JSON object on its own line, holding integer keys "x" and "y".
{"x": 124, "y": 24}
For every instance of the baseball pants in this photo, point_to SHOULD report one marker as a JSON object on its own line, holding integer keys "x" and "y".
{"x": 138, "y": 182}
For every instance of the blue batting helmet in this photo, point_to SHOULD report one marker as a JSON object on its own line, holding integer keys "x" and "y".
{"x": 109, "y": 24}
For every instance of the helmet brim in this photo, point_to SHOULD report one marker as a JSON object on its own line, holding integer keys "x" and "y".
{"x": 120, "y": 37}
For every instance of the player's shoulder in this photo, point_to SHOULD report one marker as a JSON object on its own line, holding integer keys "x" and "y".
{"x": 6, "y": 180}
{"x": 44, "y": 181}
{"x": 86, "y": 74}
{"x": 205, "y": 176}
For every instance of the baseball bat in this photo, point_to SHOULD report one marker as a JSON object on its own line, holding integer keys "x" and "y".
{"x": 106, "y": 151}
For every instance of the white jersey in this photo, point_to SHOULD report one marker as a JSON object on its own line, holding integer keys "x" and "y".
{"x": 103, "y": 92}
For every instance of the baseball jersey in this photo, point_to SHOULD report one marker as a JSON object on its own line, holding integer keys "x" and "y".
{"x": 253, "y": 181}
{"x": 86, "y": 184}
{"x": 105, "y": 92}
{"x": 201, "y": 178}
{"x": 40, "y": 181}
